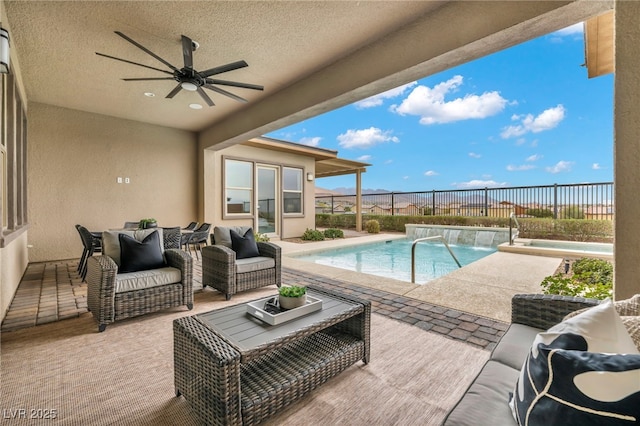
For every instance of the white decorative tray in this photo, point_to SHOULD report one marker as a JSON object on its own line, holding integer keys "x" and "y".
{"x": 256, "y": 308}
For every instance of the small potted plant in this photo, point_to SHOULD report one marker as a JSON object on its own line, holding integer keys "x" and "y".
{"x": 291, "y": 297}
{"x": 148, "y": 223}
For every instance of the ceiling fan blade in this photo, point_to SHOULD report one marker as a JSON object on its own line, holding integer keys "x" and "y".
{"x": 206, "y": 97}
{"x": 144, "y": 49}
{"x": 174, "y": 91}
{"x": 187, "y": 52}
{"x": 224, "y": 68}
{"x": 148, "y": 79}
{"x": 133, "y": 63}
{"x": 234, "y": 83}
{"x": 224, "y": 92}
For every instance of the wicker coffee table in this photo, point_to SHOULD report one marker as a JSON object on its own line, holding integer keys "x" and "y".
{"x": 234, "y": 369}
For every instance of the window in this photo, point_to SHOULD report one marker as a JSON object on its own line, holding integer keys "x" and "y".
{"x": 292, "y": 190}
{"x": 238, "y": 178}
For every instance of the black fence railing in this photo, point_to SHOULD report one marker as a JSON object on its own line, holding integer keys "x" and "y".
{"x": 566, "y": 201}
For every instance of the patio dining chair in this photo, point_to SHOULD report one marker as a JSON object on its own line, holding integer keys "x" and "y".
{"x": 91, "y": 244}
{"x": 190, "y": 227}
{"x": 196, "y": 239}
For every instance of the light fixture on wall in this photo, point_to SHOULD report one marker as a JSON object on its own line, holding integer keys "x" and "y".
{"x": 309, "y": 176}
{"x": 4, "y": 51}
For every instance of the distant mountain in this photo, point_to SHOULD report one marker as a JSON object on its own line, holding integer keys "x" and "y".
{"x": 424, "y": 197}
{"x": 352, "y": 191}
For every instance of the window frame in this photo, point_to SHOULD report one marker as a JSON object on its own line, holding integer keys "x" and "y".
{"x": 293, "y": 191}
{"x": 225, "y": 188}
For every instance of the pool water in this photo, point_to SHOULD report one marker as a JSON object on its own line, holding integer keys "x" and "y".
{"x": 392, "y": 259}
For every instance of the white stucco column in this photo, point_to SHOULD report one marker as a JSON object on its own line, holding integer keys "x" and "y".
{"x": 627, "y": 149}
{"x": 359, "y": 200}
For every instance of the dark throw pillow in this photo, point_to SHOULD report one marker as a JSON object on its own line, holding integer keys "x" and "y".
{"x": 245, "y": 245}
{"x": 140, "y": 255}
{"x": 567, "y": 385}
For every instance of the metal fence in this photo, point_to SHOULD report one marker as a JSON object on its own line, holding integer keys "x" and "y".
{"x": 566, "y": 201}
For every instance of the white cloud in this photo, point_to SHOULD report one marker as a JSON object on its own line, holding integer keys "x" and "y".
{"x": 405, "y": 177}
{"x": 561, "y": 166}
{"x": 378, "y": 100}
{"x": 570, "y": 30}
{"x": 534, "y": 157}
{"x": 521, "y": 141}
{"x": 431, "y": 173}
{"x": 430, "y": 105}
{"x": 596, "y": 166}
{"x": 476, "y": 183}
{"x": 474, "y": 155}
{"x": 314, "y": 141}
{"x": 388, "y": 162}
{"x": 364, "y": 158}
{"x": 365, "y": 138}
{"x": 547, "y": 120}
{"x": 520, "y": 168}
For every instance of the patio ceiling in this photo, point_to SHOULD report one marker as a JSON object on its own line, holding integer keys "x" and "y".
{"x": 310, "y": 56}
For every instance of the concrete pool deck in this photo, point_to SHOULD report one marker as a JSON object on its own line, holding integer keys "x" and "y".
{"x": 484, "y": 287}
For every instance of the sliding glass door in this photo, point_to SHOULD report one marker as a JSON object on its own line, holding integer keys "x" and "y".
{"x": 267, "y": 199}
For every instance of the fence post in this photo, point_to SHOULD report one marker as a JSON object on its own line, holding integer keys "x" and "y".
{"x": 392, "y": 205}
{"x": 433, "y": 202}
{"x": 555, "y": 200}
{"x": 486, "y": 201}
{"x": 332, "y": 212}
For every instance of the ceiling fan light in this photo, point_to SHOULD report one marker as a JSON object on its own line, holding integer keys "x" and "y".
{"x": 189, "y": 86}
{"x": 195, "y": 106}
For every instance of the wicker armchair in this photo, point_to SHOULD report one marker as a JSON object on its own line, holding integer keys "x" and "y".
{"x": 112, "y": 296}
{"x": 222, "y": 271}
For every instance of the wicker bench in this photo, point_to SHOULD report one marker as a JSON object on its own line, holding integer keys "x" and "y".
{"x": 231, "y": 384}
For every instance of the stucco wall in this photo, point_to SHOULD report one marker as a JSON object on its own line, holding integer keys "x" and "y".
{"x": 13, "y": 262}
{"x": 74, "y": 159}
{"x": 214, "y": 191}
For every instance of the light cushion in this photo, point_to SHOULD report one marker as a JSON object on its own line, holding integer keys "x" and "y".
{"x": 140, "y": 255}
{"x": 515, "y": 345}
{"x": 146, "y": 279}
{"x": 585, "y": 370}
{"x": 222, "y": 234}
{"x": 252, "y": 264}
{"x": 244, "y": 245}
{"x": 111, "y": 243}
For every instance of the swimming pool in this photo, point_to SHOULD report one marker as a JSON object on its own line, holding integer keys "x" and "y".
{"x": 392, "y": 259}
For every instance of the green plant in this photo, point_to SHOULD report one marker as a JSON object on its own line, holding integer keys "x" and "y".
{"x": 292, "y": 291}
{"x": 264, "y": 238}
{"x": 144, "y": 223}
{"x": 333, "y": 233}
{"x": 312, "y": 235}
{"x": 591, "y": 278}
{"x": 540, "y": 212}
{"x": 372, "y": 226}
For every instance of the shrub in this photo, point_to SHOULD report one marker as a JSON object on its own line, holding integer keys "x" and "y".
{"x": 372, "y": 226}
{"x": 540, "y": 212}
{"x": 333, "y": 233}
{"x": 261, "y": 237}
{"x": 592, "y": 278}
{"x": 312, "y": 235}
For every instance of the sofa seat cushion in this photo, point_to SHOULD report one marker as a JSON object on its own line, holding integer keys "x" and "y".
{"x": 146, "y": 279}
{"x": 485, "y": 402}
{"x": 514, "y": 346}
{"x": 252, "y": 264}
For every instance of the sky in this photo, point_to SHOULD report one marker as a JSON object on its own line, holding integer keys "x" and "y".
{"x": 524, "y": 116}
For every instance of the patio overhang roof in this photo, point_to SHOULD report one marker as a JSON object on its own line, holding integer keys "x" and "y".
{"x": 338, "y": 167}
{"x": 327, "y": 161}
{"x": 599, "y": 45}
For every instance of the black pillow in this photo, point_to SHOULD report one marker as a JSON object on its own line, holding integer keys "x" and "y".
{"x": 140, "y": 255}
{"x": 244, "y": 246}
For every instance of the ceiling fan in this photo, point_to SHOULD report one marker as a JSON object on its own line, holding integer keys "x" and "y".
{"x": 187, "y": 77}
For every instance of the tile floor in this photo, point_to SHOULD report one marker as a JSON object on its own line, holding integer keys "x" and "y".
{"x": 53, "y": 291}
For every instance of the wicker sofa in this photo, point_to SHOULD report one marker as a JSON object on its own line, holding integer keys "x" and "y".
{"x": 485, "y": 401}
{"x": 222, "y": 270}
{"x": 113, "y": 295}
